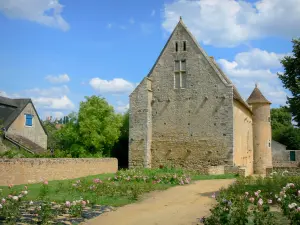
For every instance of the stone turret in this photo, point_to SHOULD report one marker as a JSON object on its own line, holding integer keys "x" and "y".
{"x": 261, "y": 131}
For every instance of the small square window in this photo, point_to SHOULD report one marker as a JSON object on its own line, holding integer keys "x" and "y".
{"x": 28, "y": 120}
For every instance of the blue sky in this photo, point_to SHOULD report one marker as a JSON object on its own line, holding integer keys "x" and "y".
{"x": 57, "y": 52}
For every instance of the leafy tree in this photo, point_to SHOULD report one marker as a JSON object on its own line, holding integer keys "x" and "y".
{"x": 52, "y": 141}
{"x": 283, "y": 130}
{"x": 291, "y": 79}
{"x": 69, "y": 133}
{"x": 99, "y": 126}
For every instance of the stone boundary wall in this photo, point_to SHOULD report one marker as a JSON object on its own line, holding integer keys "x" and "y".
{"x": 24, "y": 171}
{"x": 292, "y": 171}
{"x": 217, "y": 170}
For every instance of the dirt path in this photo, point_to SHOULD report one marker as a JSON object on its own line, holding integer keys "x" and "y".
{"x": 181, "y": 205}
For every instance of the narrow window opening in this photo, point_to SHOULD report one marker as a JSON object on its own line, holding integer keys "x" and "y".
{"x": 183, "y": 65}
{"x": 269, "y": 144}
{"x": 183, "y": 80}
{"x": 177, "y": 66}
{"x": 184, "y": 46}
{"x": 180, "y": 76}
{"x": 177, "y": 80}
{"x": 176, "y": 46}
{"x": 269, "y": 119}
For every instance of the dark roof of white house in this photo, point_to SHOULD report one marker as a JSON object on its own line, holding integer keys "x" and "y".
{"x": 10, "y": 109}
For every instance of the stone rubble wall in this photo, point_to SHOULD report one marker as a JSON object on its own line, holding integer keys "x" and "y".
{"x": 24, "y": 171}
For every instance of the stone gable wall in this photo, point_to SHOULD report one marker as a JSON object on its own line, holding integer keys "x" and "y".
{"x": 24, "y": 171}
{"x": 191, "y": 127}
{"x": 35, "y": 133}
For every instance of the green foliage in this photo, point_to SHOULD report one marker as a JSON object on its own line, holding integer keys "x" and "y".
{"x": 99, "y": 126}
{"x": 283, "y": 130}
{"x": 52, "y": 141}
{"x": 291, "y": 79}
{"x": 252, "y": 201}
{"x": 92, "y": 132}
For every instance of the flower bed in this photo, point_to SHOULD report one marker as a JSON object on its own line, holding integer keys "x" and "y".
{"x": 264, "y": 201}
{"x": 73, "y": 201}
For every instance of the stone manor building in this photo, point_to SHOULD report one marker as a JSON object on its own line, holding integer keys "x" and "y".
{"x": 186, "y": 112}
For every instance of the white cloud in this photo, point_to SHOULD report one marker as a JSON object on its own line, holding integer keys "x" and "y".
{"x": 227, "y": 23}
{"x": 259, "y": 59}
{"x": 46, "y": 12}
{"x": 255, "y": 66}
{"x": 55, "y": 114}
{"x": 61, "y": 103}
{"x": 153, "y": 12}
{"x": 53, "y": 91}
{"x": 3, "y": 94}
{"x": 122, "y": 108}
{"x": 63, "y": 78}
{"x": 115, "y": 86}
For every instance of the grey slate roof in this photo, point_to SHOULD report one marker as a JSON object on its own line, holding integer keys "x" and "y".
{"x": 10, "y": 109}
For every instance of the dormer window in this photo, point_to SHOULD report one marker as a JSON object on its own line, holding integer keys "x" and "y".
{"x": 184, "y": 46}
{"x": 180, "y": 74}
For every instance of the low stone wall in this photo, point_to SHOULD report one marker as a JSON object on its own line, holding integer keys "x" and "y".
{"x": 291, "y": 171}
{"x": 23, "y": 171}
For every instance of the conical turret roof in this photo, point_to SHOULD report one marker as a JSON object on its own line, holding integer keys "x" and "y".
{"x": 257, "y": 97}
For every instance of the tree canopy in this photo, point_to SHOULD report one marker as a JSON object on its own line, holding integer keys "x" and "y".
{"x": 291, "y": 79}
{"x": 283, "y": 130}
{"x": 93, "y": 131}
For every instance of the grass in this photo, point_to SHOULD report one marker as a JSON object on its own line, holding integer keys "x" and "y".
{"x": 114, "y": 194}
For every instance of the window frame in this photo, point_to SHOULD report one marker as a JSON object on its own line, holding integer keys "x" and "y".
{"x": 181, "y": 73}
{"x": 27, "y": 125}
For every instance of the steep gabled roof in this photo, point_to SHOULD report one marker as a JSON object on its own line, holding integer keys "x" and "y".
{"x": 10, "y": 109}
{"x": 180, "y": 23}
{"x": 257, "y": 97}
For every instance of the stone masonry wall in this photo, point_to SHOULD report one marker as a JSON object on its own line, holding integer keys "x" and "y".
{"x": 287, "y": 171}
{"x": 23, "y": 171}
{"x": 140, "y": 126}
{"x": 35, "y": 133}
{"x": 193, "y": 126}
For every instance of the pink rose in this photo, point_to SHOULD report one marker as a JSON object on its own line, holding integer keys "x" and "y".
{"x": 10, "y": 186}
{"x": 251, "y": 199}
{"x": 83, "y": 203}
{"x": 68, "y": 204}
{"x": 45, "y": 182}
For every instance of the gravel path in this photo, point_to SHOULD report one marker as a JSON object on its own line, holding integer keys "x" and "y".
{"x": 180, "y": 205}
